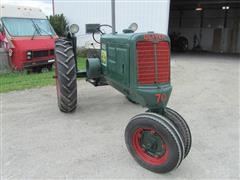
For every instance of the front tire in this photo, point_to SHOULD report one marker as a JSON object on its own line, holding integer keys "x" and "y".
{"x": 182, "y": 127}
{"x": 66, "y": 79}
{"x": 154, "y": 142}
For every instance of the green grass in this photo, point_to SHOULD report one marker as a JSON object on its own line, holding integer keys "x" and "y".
{"x": 21, "y": 80}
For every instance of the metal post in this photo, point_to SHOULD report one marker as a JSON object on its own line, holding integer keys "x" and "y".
{"x": 201, "y": 26}
{"x": 74, "y": 45}
{"x": 113, "y": 17}
{"x": 180, "y": 19}
{"x": 53, "y": 7}
{"x": 225, "y": 18}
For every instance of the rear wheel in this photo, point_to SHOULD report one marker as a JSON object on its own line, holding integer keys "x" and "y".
{"x": 182, "y": 44}
{"x": 66, "y": 80}
{"x": 154, "y": 142}
{"x": 182, "y": 127}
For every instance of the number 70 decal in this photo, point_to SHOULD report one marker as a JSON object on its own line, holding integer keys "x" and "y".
{"x": 160, "y": 97}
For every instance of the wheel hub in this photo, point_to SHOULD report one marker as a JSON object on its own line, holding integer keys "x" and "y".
{"x": 152, "y": 143}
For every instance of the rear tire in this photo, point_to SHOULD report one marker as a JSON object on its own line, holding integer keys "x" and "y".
{"x": 66, "y": 79}
{"x": 182, "y": 127}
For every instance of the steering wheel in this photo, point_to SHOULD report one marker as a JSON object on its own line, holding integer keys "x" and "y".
{"x": 98, "y": 30}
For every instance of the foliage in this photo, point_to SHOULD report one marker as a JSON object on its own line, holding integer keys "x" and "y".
{"x": 59, "y": 24}
{"x": 82, "y": 52}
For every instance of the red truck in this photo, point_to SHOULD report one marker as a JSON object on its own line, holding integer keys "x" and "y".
{"x": 30, "y": 37}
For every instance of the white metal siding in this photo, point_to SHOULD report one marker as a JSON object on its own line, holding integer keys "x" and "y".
{"x": 150, "y": 15}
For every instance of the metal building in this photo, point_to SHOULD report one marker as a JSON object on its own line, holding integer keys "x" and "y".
{"x": 208, "y": 25}
{"x": 150, "y": 15}
{"x": 213, "y": 26}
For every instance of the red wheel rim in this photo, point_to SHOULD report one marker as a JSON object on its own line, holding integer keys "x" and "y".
{"x": 140, "y": 151}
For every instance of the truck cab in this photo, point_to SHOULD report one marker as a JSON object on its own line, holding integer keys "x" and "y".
{"x": 29, "y": 35}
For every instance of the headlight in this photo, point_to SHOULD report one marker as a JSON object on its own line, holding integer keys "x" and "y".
{"x": 29, "y": 55}
{"x": 133, "y": 27}
{"x": 74, "y": 28}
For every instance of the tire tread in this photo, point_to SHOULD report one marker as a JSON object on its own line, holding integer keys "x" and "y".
{"x": 66, "y": 76}
{"x": 182, "y": 127}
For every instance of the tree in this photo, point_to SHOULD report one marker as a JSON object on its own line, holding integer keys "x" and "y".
{"x": 59, "y": 24}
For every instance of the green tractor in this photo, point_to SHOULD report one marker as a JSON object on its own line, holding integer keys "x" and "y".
{"x": 137, "y": 65}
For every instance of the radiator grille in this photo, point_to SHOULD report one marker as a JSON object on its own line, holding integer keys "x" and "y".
{"x": 153, "y": 62}
{"x": 43, "y": 53}
{"x": 40, "y": 53}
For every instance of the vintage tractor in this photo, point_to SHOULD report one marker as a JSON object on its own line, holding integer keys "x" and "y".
{"x": 137, "y": 65}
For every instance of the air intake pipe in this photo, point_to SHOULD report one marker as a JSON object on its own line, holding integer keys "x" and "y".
{"x": 113, "y": 17}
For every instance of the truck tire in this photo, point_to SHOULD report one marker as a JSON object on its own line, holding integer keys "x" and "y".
{"x": 182, "y": 127}
{"x": 66, "y": 79}
{"x": 154, "y": 142}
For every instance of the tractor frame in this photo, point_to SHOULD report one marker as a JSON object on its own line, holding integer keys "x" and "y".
{"x": 158, "y": 139}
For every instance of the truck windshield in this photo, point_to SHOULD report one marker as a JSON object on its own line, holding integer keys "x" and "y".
{"x": 27, "y": 27}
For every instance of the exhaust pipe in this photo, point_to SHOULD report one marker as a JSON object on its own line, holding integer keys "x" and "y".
{"x": 113, "y": 17}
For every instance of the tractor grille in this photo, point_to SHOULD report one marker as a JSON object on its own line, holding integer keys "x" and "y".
{"x": 153, "y": 62}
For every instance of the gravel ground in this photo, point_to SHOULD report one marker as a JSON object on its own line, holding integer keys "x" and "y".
{"x": 40, "y": 142}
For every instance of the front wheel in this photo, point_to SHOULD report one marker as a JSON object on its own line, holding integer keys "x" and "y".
{"x": 181, "y": 126}
{"x": 66, "y": 79}
{"x": 154, "y": 142}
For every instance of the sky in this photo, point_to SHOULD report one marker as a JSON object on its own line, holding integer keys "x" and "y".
{"x": 45, "y": 5}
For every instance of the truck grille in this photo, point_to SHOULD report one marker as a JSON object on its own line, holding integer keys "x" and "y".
{"x": 43, "y": 53}
{"x": 153, "y": 62}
